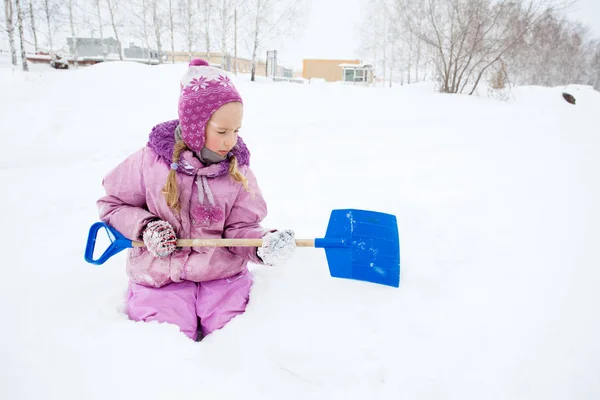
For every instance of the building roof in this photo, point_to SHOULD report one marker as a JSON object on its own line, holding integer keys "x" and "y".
{"x": 93, "y": 40}
{"x": 355, "y": 66}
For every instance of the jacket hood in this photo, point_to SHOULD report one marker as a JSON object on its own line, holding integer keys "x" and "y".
{"x": 162, "y": 141}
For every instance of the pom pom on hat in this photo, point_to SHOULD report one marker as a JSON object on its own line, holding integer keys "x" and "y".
{"x": 198, "y": 62}
{"x": 204, "y": 89}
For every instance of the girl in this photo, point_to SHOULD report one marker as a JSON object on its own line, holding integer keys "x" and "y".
{"x": 192, "y": 180}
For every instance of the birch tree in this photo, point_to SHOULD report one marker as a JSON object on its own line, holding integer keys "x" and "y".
{"x": 157, "y": 23}
{"x": 140, "y": 12}
{"x": 52, "y": 13}
{"x": 373, "y": 33}
{"x": 100, "y": 28}
{"x": 21, "y": 35}
{"x": 413, "y": 52}
{"x": 144, "y": 22}
{"x": 113, "y": 11}
{"x": 235, "y": 41}
{"x": 33, "y": 26}
{"x": 387, "y": 40}
{"x": 48, "y": 18}
{"x": 206, "y": 6}
{"x": 225, "y": 11}
{"x": 73, "y": 34}
{"x": 171, "y": 19}
{"x": 10, "y": 30}
{"x": 268, "y": 20}
{"x": 189, "y": 11}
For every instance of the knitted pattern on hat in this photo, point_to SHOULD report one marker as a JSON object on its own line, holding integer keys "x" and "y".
{"x": 203, "y": 90}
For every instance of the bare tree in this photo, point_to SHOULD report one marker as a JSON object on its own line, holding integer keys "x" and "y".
{"x": 48, "y": 14}
{"x": 140, "y": 12}
{"x": 385, "y": 41}
{"x": 188, "y": 12}
{"x": 506, "y": 41}
{"x": 172, "y": 29}
{"x": 21, "y": 35}
{"x": 411, "y": 46}
{"x": 113, "y": 11}
{"x": 556, "y": 52}
{"x": 271, "y": 19}
{"x": 225, "y": 20}
{"x": 418, "y": 49}
{"x": 52, "y": 12}
{"x": 144, "y": 21}
{"x": 32, "y": 26}
{"x": 399, "y": 43}
{"x": 157, "y": 22}
{"x": 10, "y": 30}
{"x": 99, "y": 16}
{"x": 468, "y": 36}
{"x": 235, "y": 41}
{"x": 258, "y": 11}
{"x": 207, "y": 7}
{"x": 73, "y": 34}
{"x": 573, "y": 53}
{"x": 370, "y": 33}
{"x": 593, "y": 62}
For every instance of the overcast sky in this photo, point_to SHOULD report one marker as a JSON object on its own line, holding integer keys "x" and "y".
{"x": 588, "y": 12}
{"x": 325, "y": 36}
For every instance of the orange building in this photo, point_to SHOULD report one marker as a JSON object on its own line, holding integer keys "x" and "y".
{"x": 337, "y": 70}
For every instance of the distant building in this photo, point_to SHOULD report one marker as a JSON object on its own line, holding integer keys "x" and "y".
{"x": 134, "y": 51}
{"x": 227, "y": 62}
{"x": 93, "y": 47}
{"x": 338, "y": 70}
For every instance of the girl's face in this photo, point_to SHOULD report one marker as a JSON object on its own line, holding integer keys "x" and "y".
{"x": 223, "y": 127}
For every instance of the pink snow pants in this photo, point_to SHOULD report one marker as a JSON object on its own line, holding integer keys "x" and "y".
{"x": 213, "y": 303}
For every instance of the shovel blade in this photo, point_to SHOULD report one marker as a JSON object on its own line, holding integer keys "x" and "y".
{"x": 363, "y": 245}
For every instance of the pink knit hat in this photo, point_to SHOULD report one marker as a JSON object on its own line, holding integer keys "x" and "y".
{"x": 203, "y": 90}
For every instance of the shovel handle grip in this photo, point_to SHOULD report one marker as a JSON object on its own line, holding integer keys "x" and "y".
{"x": 227, "y": 243}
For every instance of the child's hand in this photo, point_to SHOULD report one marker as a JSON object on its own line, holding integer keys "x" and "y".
{"x": 277, "y": 247}
{"x": 159, "y": 237}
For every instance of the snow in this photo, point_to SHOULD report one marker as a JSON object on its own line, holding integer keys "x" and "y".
{"x": 497, "y": 206}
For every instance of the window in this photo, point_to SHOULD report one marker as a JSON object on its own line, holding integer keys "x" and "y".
{"x": 359, "y": 75}
{"x": 354, "y": 75}
{"x": 348, "y": 75}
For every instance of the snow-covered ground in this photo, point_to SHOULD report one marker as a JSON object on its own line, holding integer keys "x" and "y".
{"x": 498, "y": 213}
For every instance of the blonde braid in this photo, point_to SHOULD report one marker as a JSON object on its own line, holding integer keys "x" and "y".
{"x": 236, "y": 175}
{"x": 170, "y": 190}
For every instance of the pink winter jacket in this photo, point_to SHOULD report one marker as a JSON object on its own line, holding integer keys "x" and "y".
{"x": 133, "y": 198}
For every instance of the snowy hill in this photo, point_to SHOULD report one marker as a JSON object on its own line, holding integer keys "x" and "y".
{"x": 497, "y": 206}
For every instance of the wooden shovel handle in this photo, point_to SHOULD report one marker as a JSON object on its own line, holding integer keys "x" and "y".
{"x": 228, "y": 243}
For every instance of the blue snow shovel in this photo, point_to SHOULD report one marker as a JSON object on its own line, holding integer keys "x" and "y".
{"x": 359, "y": 244}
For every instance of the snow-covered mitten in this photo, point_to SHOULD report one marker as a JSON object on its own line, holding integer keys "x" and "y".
{"x": 277, "y": 247}
{"x": 159, "y": 238}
